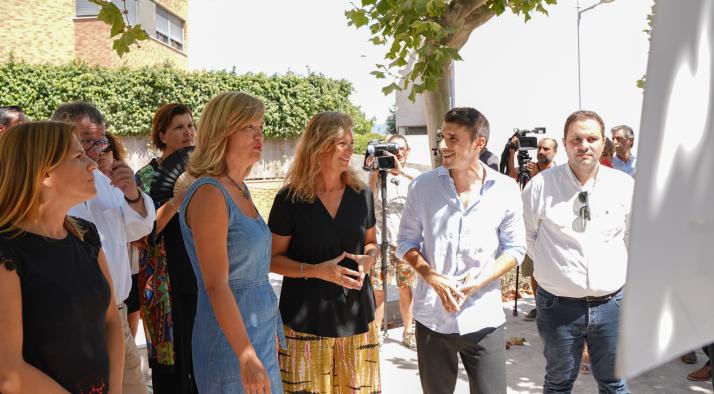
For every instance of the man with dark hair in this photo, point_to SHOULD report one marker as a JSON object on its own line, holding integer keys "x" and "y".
{"x": 121, "y": 212}
{"x": 624, "y": 139}
{"x": 461, "y": 230}
{"x": 10, "y": 115}
{"x": 577, "y": 229}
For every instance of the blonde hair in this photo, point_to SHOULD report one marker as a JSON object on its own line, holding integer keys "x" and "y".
{"x": 222, "y": 116}
{"x": 320, "y": 135}
{"x": 28, "y": 152}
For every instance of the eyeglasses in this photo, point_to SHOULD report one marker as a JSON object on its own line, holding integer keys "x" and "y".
{"x": 101, "y": 143}
{"x": 584, "y": 211}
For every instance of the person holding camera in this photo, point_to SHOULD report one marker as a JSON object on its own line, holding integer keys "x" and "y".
{"x": 462, "y": 229}
{"x": 398, "y": 179}
{"x": 547, "y": 148}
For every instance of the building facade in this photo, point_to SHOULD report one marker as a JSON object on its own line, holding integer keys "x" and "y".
{"x": 61, "y": 31}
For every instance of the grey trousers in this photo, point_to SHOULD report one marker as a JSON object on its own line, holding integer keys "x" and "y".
{"x": 483, "y": 354}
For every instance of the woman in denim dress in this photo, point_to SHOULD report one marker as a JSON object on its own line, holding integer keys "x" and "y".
{"x": 237, "y": 321}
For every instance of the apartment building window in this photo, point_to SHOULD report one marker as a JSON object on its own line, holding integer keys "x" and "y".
{"x": 169, "y": 28}
{"x": 85, "y": 8}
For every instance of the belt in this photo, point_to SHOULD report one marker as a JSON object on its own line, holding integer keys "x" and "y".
{"x": 602, "y": 298}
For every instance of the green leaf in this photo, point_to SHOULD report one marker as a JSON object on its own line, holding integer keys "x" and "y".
{"x": 121, "y": 45}
{"x": 110, "y": 14}
{"x": 358, "y": 17}
{"x": 390, "y": 88}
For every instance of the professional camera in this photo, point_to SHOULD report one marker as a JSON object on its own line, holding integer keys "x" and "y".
{"x": 379, "y": 150}
{"x": 525, "y": 144}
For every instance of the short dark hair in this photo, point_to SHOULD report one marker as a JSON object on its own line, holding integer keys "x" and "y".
{"x": 6, "y": 111}
{"x": 583, "y": 115}
{"x": 626, "y": 130}
{"x": 76, "y": 111}
{"x": 162, "y": 121}
{"x": 476, "y": 124}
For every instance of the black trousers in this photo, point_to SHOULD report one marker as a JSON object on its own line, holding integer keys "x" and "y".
{"x": 483, "y": 354}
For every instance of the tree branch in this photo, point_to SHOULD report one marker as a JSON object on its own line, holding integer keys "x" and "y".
{"x": 473, "y": 20}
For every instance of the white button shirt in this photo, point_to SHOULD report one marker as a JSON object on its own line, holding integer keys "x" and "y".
{"x": 574, "y": 257}
{"x": 117, "y": 224}
{"x": 455, "y": 240}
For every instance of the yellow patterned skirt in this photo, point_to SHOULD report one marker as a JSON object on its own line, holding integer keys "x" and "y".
{"x": 313, "y": 364}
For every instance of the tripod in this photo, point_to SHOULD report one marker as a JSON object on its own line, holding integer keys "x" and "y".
{"x": 383, "y": 246}
{"x": 523, "y": 177}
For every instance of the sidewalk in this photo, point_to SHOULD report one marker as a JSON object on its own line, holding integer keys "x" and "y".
{"x": 526, "y": 366}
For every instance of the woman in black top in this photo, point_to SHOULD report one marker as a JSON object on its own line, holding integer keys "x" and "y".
{"x": 60, "y": 326}
{"x": 324, "y": 243}
{"x": 166, "y": 280}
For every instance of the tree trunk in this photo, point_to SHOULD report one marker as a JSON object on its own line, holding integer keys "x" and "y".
{"x": 436, "y": 104}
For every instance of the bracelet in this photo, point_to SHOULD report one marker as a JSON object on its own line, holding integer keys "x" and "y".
{"x": 302, "y": 272}
{"x": 134, "y": 201}
{"x": 173, "y": 206}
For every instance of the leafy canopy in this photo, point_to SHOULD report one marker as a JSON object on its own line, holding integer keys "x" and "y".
{"x": 427, "y": 34}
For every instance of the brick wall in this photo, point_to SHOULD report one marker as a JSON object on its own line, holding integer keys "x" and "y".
{"x": 91, "y": 41}
{"x": 37, "y": 31}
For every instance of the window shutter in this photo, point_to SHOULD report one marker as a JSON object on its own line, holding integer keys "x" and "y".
{"x": 85, "y": 8}
{"x": 162, "y": 21}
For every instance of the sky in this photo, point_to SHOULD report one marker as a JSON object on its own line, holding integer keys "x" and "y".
{"x": 520, "y": 75}
{"x": 277, "y": 36}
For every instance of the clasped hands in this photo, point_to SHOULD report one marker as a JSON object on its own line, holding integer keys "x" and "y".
{"x": 331, "y": 271}
{"x": 453, "y": 290}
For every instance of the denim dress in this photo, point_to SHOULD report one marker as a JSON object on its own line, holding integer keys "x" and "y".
{"x": 215, "y": 364}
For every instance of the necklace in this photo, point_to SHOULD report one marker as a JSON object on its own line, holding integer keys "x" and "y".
{"x": 244, "y": 193}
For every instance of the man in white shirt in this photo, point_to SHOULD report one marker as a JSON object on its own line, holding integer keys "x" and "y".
{"x": 624, "y": 139}
{"x": 461, "y": 230}
{"x": 577, "y": 219}
{"x": 121, "y": 213}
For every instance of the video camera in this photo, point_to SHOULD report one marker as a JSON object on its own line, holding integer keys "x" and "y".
{"x": 378, "y": 150}
{"x": 526, "y": 143}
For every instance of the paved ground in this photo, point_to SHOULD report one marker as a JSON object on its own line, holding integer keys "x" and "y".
{"x": 525, "y": 364}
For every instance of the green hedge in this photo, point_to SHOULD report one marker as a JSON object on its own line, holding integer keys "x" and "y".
{"x": 129, "y": 97}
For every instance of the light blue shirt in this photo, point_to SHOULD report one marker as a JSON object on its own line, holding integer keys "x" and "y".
{"x": 455, "y": 240}
{"x": 625, "y": 166}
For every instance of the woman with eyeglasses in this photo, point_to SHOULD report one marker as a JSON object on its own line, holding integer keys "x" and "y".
{"x": 237, "y": 319}
{"x": 324, "y": 245}
{"x": 61, "y": 330}
{"x": 166, "y": 279}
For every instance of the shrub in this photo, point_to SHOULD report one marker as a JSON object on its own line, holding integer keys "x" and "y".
{"x": 128, "y": 97}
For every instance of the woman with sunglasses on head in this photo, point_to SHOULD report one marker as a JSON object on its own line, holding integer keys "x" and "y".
{"x": 166, "y": 279}
{"x": 60, "y": 324}
{"x": 237, "y": 319}
{"x": 324, "y": 244}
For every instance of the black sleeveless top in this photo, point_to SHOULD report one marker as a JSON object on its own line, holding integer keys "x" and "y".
{"x": 65, "y": 298}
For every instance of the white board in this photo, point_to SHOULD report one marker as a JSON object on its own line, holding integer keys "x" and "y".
{"x": 670, "y": 283}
